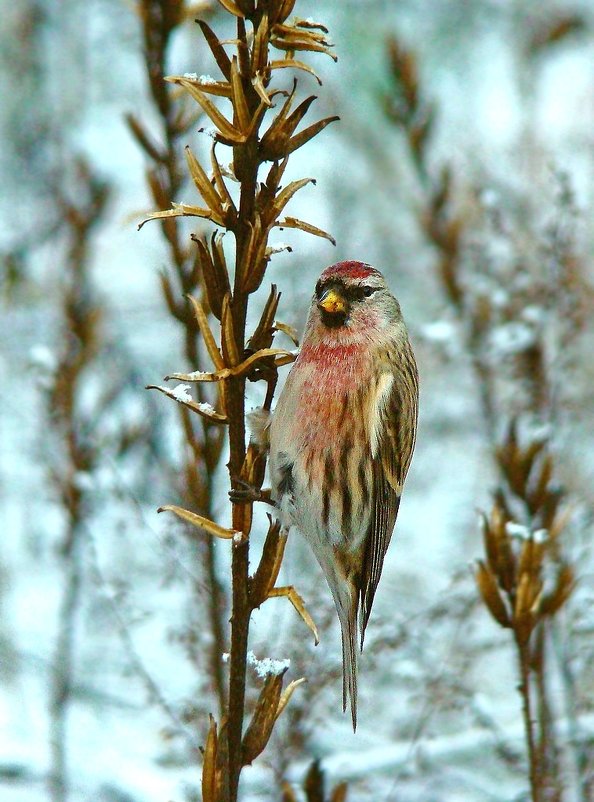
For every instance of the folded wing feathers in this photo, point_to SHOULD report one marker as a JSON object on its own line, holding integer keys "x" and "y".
{"x": 397, "y": 412}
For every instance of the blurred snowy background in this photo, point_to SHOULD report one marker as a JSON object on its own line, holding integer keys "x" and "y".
{"x": 512, "y": 87}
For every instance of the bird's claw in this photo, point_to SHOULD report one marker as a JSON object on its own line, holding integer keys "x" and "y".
{"x": 247, "y": 493}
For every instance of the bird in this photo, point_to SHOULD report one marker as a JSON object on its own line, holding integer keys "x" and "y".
{"x": 341, "y": 439}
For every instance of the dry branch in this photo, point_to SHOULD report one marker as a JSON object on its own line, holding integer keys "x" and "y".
{"x": 248, "y": 215}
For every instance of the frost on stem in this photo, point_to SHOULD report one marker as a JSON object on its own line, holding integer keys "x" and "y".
{"x": 267, "y": 666}
{"x": 227, "y": 280}
{"x": 180, "y": 392}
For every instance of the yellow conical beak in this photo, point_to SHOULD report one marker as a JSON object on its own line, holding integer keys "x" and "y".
{"x": 333, "y": 303}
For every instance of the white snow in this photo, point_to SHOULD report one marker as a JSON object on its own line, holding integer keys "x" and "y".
{"x": 40, "y": 356}
{"x": 205, "y": 80}
{"x": 439, "y": 331}
{"x": 180, "y": 392}
{"x": 523, "y": 532}
{"x": 511, "y": 338}
{"x": 83, "y": 480}
{"x": 196, "y": 376}
{"x": 282, "y": 246}
{"x": 267, "y": 665}
{"x": 409, "y": 703}
{"x": 228, "y": 171}
{"x": 205, "y": 407}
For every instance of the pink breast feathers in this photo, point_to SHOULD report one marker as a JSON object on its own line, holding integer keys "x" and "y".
{"x": 332, "y": 377}
{"x": 338, "y": 357}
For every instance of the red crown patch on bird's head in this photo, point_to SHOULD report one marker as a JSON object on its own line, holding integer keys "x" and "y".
{"x": 350, "y": 269}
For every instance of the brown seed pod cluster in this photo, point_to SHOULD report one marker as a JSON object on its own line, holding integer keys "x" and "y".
{"x": 521, "y": 536}
{"x": 258, "y": 121}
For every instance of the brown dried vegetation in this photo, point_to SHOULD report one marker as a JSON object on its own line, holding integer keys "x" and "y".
{"x": 525, "y": 579}
{"x": 220, "y": 291}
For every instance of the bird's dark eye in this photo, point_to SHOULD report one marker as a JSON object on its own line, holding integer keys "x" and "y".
{"x": 358, "y": 292}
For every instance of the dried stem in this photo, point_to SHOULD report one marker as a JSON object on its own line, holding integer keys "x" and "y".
{"x": 246, "y": 84}
{"x": 524, "y": 580}
{"x": 165, "y": 178}
{"x": 63, "y": 665}
{"x": 77, "y": 456}
{"x": 526, "y": 694}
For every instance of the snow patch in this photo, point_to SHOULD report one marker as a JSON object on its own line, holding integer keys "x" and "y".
{"x": 205, "y": 80}
{"x": 523, "y": 532}
{"x": 267, "y": 666}
{"x": 512, "y": 338}
{"x": 41, "y": 357}
{"x": 228, "y": 171}
{"x": 282, "y": 246}
{"x": 440, "y": 331}
{"x": 180, "y": 393}
{"x": 205, "y": 407}
{"x": 196, "y": 376}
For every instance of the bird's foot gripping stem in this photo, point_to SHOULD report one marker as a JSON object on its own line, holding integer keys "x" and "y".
{"x": 246, "y": 493}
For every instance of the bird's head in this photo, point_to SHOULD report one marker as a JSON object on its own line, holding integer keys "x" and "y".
{"x": 352, "y": 301}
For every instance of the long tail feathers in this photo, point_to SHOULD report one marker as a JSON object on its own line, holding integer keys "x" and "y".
{"x": 347, "y": 613}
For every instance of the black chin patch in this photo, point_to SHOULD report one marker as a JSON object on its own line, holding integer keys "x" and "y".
{"x": 333, "y": 319}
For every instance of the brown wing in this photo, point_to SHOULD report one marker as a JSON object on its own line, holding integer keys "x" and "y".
{"x": 390, "y": 466}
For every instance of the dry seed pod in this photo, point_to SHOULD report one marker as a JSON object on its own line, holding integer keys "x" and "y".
{"x": 264, "y": 333}
{"x": 489, "y": 591}
{"x": 260, "y": 262}
{"x": 339, "y": 793}
{"x": 209, "y": 771}
{"x": 217, "y": 49}
{"x": 240, "y": 105}
{"x": 404, "y": 70}
{"x": 231, "y": 355}
{"x": 552, "y": 602}
{"x": 209, "y": 282}
{"x": 539, "y": 484}
{"x": 274, "y": 141}
{"x": 498, "y": 548}
{"x": 531, "y": 557}
{"x": 314, "y": 785}
{"x": 288, "y": 793}
{"x": 260, "y": 727}
{"x": 526, "y": 608}
{"x": 269, "y": 565}
{"x": 293, "y": 222}
{"x": 203, "y": 185}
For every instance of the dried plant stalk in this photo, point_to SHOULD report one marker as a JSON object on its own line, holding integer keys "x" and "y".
{"x": 166, "y": 176}
{"x": 75, "y": 455}
{"x": 524, "y": 580}
{"x": 519, "y": 555}
{"x": 249, "y": 216}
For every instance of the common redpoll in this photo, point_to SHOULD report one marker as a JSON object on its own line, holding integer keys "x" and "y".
{"x": 341, "y": 440}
